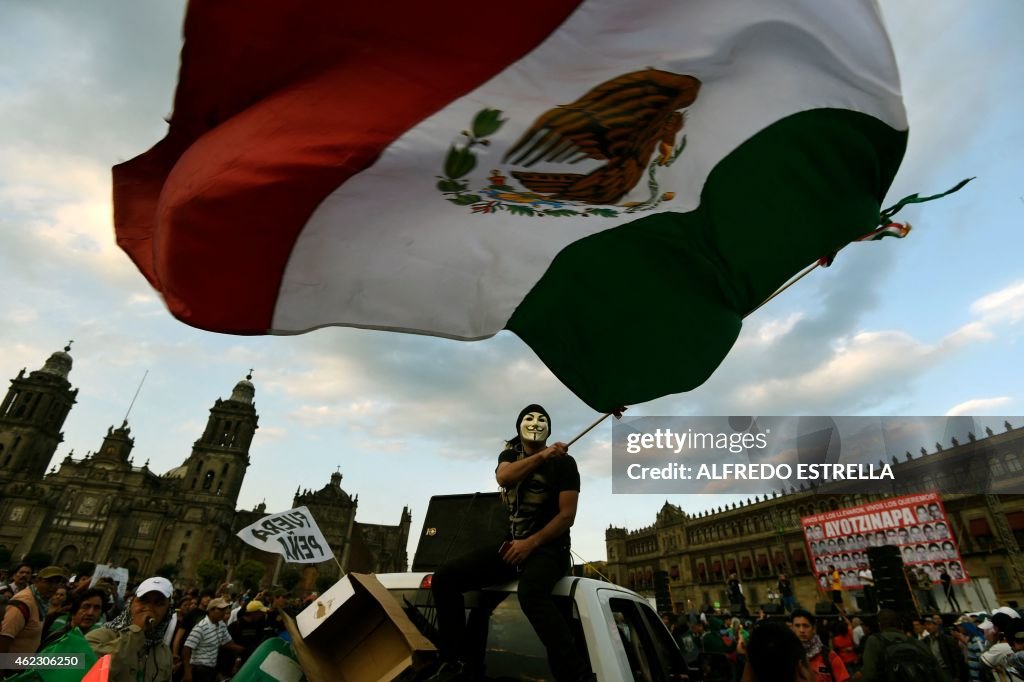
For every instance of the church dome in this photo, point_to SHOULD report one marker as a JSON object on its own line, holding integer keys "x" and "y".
{"x": 58, "y": 364}
{"x": 244, "y": 391}
{"x": 178, "y": 472}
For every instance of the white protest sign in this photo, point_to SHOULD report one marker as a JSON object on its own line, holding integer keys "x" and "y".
{"x": 293, "y": 534}
{"x": 118, "y": 575}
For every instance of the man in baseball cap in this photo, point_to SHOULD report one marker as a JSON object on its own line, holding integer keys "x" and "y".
{"x": 155, "y": 584}
{"x": 57, "y": 574}
{"x": 1008, "y": 611}
{"x": 275, "y": 619}
{"x": 137, "y": 638}
{"x": 21, "y": 630}
{"x": 202, "y": 645}
{"x": 255, "y": 605}
{"x": 250, "y": 629}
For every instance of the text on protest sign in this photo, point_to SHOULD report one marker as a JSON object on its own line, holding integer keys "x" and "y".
{"x": 292, "y": 534}
{"x": 838, "y": 540}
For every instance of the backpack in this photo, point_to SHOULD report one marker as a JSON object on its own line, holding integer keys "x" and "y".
{"x": 689, "y": 649}
{"x": 907, "y": 660}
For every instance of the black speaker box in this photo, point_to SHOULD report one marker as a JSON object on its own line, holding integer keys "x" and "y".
{"x": 886, "y": 565}
{"x": 891, "y": 589}
{"x": 662, "y": 595}
{"x": 457, "y": 524}
{"x": 772, "y": 609}
{"x": 899, "y": 603}
{"x": 883, "y": 554}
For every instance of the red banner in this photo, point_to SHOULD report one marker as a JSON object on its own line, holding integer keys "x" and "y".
{"x": 838, "y": 540}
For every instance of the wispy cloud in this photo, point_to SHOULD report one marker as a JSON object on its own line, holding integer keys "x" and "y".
{"x": 1005, "y": 305}
{"x": 980, "y": 406}
{"x": 67, "y": 210}
{"x": 868, "y": 366}
{"x": 318, "y": 415}
{"x": 860, "y": 366}
{"x": 274, "y": 433}
{"x": 770, "y": 331}
{"x": 19, "y": 314}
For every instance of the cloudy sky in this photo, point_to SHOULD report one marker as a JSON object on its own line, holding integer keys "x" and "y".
{"x": 930, "y": 325}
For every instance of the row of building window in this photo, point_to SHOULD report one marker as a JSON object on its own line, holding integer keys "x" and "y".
{"x": 709, "y": 570}
{"x": 644, "y": 546}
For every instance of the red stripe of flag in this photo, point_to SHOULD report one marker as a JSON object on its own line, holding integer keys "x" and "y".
{"x": 277, "y": 105}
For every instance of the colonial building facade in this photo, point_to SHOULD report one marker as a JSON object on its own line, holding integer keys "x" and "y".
{"x": 693, "y": 554}
{"x": 106, "y": 509}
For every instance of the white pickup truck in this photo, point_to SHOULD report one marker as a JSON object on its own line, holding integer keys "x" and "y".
{"x": 615, "y": 628}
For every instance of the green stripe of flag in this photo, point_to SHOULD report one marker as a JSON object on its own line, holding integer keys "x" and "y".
{"x": 651, "y": 307}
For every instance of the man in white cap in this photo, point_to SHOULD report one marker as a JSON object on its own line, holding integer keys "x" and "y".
{"x": 1012, "y": 613}
{"x": 998, "y": 630}
{"x": 136, "y": 638}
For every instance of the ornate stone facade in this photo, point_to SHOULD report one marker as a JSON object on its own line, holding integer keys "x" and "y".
{"x": 761, "y": 537}
{"x": 104, "y": 508}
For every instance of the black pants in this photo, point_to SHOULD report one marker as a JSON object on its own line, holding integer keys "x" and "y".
{"x": 537, "y": 576}
{"x": 203, "y": 674}
{"x": 869, "y": 599}
{"x": 926, "y": 601}
{"x": 954, "y": 605}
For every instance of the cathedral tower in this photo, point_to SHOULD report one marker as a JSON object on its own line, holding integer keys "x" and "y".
{"x": 220, "y": 457}
{"x": 117, "y": 446}
{"x": 32, "y": 415}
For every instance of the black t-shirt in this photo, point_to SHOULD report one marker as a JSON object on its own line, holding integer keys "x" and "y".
{"x": 534, "y": 501}
{"x": 190, "y": 620}
{"x": 785, "y": 589}
{"x": 275, "y": 621}
{"x": 248, "y": 635}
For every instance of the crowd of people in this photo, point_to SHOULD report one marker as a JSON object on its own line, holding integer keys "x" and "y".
{"x": 154, "y": 632}
{"x": 886, "y": 647}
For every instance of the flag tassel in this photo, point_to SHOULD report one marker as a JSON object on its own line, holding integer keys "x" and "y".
{"x": 886, "y": 228}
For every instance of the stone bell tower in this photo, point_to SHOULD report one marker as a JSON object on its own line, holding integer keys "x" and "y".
{"x": 220, "y": 457}
{"x": 32, "y": 415}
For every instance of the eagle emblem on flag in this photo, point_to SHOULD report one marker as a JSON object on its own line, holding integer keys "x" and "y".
{"x": 629, "y": 124}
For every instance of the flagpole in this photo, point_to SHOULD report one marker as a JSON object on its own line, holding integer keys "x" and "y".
{"x": 590, "y": 563}
{"x": 588, "y": 429}
{"x": 787, "y": 285}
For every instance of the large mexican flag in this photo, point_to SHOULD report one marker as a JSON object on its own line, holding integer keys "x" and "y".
{"x": 618, "y": 183}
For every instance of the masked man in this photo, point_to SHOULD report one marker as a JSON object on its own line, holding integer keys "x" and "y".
{"x": 540, "y": 486}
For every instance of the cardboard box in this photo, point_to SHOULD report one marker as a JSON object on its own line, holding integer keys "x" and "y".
{"x": 357, "y": 632}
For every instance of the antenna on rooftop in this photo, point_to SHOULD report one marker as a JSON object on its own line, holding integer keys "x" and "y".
{"x": 132, "y": 404}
